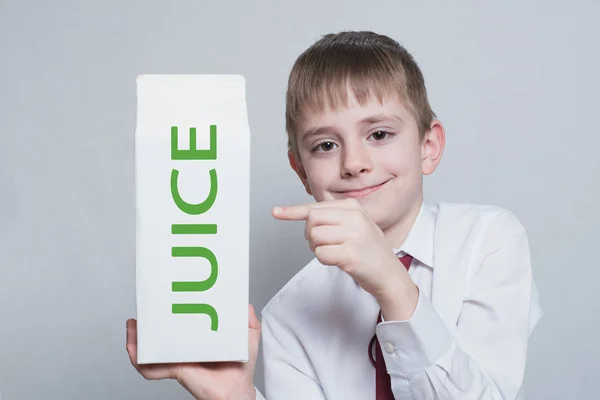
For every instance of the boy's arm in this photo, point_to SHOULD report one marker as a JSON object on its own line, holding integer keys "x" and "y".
{"x": 485, "y": 359}
{"x": 288, "y": 371}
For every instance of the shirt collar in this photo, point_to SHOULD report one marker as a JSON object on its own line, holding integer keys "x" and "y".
{"x": 419, "y": 241}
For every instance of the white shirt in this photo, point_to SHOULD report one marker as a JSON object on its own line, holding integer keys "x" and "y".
{"x": 467, "y": 338}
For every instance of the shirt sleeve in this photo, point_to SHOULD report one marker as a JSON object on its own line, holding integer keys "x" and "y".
{"x": 485, "y": 358}
{"x": 289, "y": 373}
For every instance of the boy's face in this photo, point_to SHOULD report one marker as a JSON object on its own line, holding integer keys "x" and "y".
{"x": 371, "y": 153}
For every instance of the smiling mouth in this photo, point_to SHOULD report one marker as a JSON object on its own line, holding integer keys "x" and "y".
{"x": 362, "y": 192}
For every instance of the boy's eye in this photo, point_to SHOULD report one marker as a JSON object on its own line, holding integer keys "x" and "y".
{"x": 325, "y": 146}
{"x": 380, "y": 135}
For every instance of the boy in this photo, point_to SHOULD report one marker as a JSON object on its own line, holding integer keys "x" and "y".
{"x": 402, "y": 301}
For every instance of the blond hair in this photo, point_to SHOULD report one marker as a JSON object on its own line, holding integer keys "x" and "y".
{"x": 363, "y": 62}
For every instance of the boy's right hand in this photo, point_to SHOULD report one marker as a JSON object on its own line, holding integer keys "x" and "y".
{"x": 206, "y": 381}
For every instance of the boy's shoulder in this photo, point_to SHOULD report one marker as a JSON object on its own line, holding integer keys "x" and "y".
{"x": 468, "y": 210}
{"x": 476, "y": 219}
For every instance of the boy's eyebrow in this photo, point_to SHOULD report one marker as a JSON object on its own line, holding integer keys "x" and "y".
{"x": 316, "y": 131}
{"x": 371, "y": 119}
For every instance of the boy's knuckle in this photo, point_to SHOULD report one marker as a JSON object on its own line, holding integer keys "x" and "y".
{"x": 319, "y": 253}
{"x": 322, "y": 254}
{"x": 313, "y": 234}
{"x": 317, "y": 214}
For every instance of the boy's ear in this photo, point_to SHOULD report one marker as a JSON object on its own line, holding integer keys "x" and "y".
{"x": 297, "y": 166}
{"x": 432, "y": 147}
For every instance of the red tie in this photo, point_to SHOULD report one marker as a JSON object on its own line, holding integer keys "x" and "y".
{"x": 382, "y": 378}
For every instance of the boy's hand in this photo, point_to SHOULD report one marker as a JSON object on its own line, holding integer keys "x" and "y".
{"x": 205, "y": 381}
{"x": 341, "y": 233}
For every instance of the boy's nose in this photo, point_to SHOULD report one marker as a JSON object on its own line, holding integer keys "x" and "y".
{"x": 356, "y": 160}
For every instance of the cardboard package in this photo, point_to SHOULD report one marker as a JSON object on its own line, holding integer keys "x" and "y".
{"x": 192, "y": 174}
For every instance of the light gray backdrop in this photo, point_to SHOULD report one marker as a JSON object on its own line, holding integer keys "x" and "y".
{"x": 516, "y": 84}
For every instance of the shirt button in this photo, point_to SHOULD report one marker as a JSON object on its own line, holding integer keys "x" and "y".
{"x": 389, "y": 347}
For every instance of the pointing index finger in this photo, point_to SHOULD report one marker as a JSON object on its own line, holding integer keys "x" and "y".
{"x": 292, "y": 213}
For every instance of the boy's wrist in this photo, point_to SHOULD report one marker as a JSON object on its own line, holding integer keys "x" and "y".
{"x": 399, "y": 301}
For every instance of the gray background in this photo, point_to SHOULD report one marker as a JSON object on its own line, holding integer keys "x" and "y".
{"x": 515, "y": 83}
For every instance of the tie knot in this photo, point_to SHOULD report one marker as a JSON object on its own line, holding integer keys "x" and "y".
{"x": 406, "y": 260}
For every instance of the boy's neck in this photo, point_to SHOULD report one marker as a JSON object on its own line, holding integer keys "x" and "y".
{"x": 397, "y": 234}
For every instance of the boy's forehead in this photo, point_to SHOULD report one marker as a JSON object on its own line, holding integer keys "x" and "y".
{"x": 354, "y": 112}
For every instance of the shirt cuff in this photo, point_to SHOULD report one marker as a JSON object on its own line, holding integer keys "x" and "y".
{"x": 416, "y": 343}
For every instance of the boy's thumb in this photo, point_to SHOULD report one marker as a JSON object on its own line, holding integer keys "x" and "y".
{"x": 253, "y": 336}
{"x": 253, "y": 322}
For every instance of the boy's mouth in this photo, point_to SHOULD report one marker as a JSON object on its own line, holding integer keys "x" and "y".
{"x": 361, "y": 191}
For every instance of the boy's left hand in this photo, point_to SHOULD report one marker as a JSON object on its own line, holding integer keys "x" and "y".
{"x": 341, "y": 233}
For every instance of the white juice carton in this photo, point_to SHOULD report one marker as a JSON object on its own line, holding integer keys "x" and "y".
{"x": 192, "y": 184}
